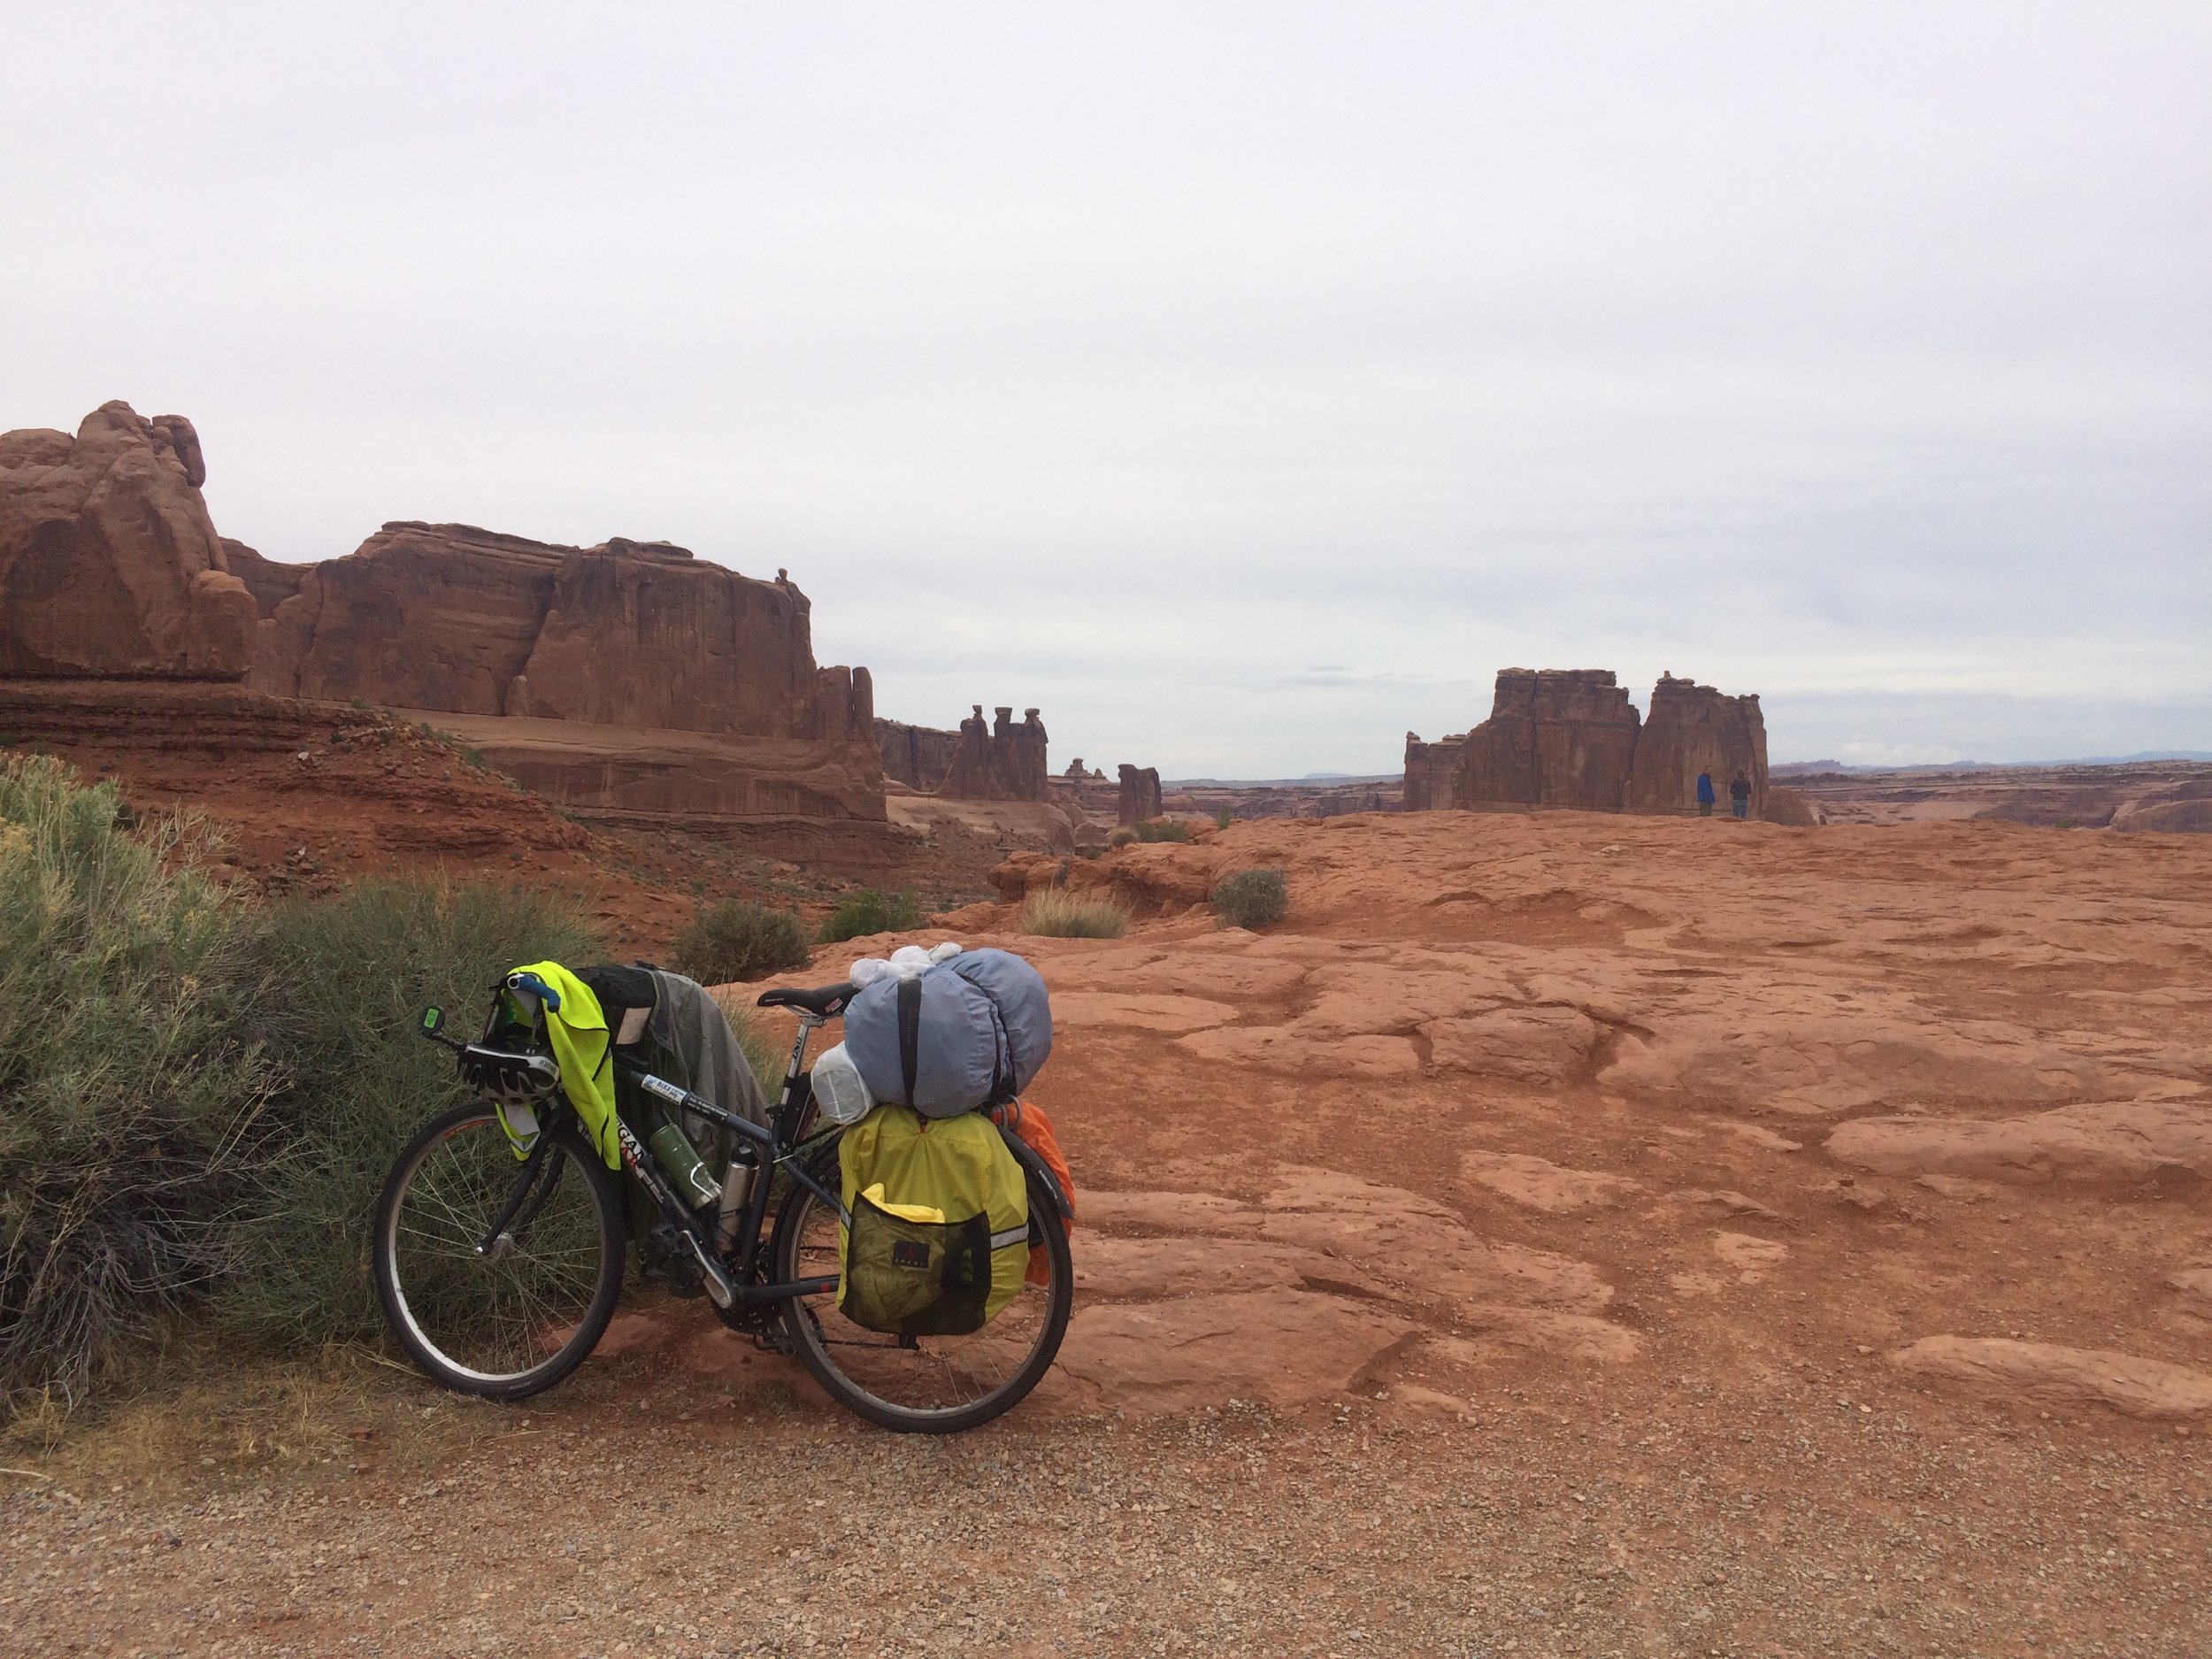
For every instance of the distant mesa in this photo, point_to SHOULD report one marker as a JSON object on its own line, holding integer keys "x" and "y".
{"x": 624, "y": 680}
{"x": 1570, "y": 738}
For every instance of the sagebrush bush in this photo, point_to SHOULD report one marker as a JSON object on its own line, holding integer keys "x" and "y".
{"x": 1251, "y": 898}
{"x": 199, "y": 1099}
{"x": 868, "y": 911}
{"x": 734, "y": 940}
{"x": 1123, "y": 835}
{"x": 1224, "y": 818}
{"x": 1163, "y": 829}
{"x": 336, "y": 1003}
{"x": 134, "y": 1136}
{"x": 1054, "y": 912}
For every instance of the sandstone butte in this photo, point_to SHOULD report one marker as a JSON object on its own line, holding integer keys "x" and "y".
{"x": 1002, "y": 761}
{"x": 628, "y": 680}
{"x": 1570, "y": 738}
{"x": 109, "y": 563}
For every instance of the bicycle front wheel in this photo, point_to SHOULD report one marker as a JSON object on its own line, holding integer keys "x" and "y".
{"x": 507, "y": 1322}
{"x": 930, "y": 1385}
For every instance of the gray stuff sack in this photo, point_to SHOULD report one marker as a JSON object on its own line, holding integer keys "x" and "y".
{"x": 964, "y": 1034}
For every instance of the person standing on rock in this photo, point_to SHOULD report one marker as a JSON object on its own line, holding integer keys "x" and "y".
{"x": 1705, "y": 794}
{"x": 1739, "y": 796}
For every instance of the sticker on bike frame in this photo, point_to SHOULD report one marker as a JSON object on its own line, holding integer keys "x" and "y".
{"x": 666, "y": 1090}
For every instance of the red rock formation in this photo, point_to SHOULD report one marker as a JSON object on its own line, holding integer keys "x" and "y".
{"x": 979, "y": 762}
{"x": 1570, "y": 738}
{"x": 1140, "y": 794}
{"x": 2171, "y": 796}
{"x": 451, "y": 618}
{"x": 109, "y": 565}
{"x": 917, "y": 755}
{"x": 1695, "y": 728}
{"x": 1555, "y": 737}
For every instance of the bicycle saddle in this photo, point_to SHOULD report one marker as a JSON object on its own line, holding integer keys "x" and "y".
{"x": 828, "y": 1000}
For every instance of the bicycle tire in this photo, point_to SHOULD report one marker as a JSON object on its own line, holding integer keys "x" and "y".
{"x": 408, "y": 1255}
{"x": 1047, "y": 1229}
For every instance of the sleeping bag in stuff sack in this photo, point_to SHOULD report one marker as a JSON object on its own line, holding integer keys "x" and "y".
{"x": 936, "y": 1239}
{"x": 956, "y": 1036}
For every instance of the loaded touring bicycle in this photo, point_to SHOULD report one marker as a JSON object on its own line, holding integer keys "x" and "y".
{"x": 502, "y": 1234}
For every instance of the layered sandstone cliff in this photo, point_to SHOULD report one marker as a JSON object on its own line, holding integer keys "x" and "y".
{"x": 109, "y": 565}
{"x": 1693, "y": 728}
{"x": 1570, "y": 738}
{"x": 996, "y": 761}
{"x": 599, "y": 657}
{"x": 452, "y": 618}
{"x": 916, "y": 756}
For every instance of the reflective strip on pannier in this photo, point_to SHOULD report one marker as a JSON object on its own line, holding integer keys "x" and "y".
{"x": 911, "y": 1277}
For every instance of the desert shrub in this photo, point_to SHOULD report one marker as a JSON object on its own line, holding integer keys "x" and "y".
{"x": 736, "y": 941}
{"x": 1224, "y": 818}
{"x": 199, "y": 1100}
{"x": 1057, "y": 913}
{"x": 868, "y": 911}
{"x": 134, "y": 1130}
{"x": 1163, "y": 829}
{"x": 340, "y": 986}
{"x": 1251, "y": 898}
{"x": 1122, "y": 835}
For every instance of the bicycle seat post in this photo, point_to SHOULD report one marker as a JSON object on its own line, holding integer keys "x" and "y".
{"x": 809, "y": 1024}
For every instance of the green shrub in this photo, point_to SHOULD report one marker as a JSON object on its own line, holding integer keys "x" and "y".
{"x": 1224, "y": 818}
{"x": 199, "y": 1101}
{"x": 868, "y": 911}
{"x": 1163, "y": 829}
{"x": 736, "y": 941}
{"x": 1054, "y": 912}
{"x": 342, "y": 983}
{"x": 1251, "y": 898}
{"x": 1121, "y": 836}
{"x": 133, "y": 1121}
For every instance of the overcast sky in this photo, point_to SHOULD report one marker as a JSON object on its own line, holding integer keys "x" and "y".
{"x": 1242, "y": 386}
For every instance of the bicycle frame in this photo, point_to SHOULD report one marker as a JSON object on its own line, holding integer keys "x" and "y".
{"x": 731, "y": 1279}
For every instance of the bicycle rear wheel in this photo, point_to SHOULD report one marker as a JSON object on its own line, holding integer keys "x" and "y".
{"x": 931, "y": 1385}
{"x": 506, "y": 1324}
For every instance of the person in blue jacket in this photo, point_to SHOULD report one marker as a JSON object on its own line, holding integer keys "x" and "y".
{"x": 1705, "y": 794}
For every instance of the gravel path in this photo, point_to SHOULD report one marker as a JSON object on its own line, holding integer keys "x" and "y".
{"x": 1677, "y": 1522}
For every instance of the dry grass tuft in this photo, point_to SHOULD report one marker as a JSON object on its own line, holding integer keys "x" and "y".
{"x": 1056, "y": 913}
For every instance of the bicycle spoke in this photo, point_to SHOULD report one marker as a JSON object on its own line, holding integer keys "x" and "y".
{"x": 930, "y": 1375}
{"x": 500, "y": 1313}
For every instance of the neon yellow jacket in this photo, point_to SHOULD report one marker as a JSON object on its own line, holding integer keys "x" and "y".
{"x": 578, "y": 1030}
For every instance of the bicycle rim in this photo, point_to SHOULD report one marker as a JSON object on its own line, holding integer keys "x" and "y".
{"x": 523, "y": 1316}
{"x": 931, "y": 1383}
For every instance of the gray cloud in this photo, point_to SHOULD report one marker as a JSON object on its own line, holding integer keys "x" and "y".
{"x": 1242, "y": 386}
